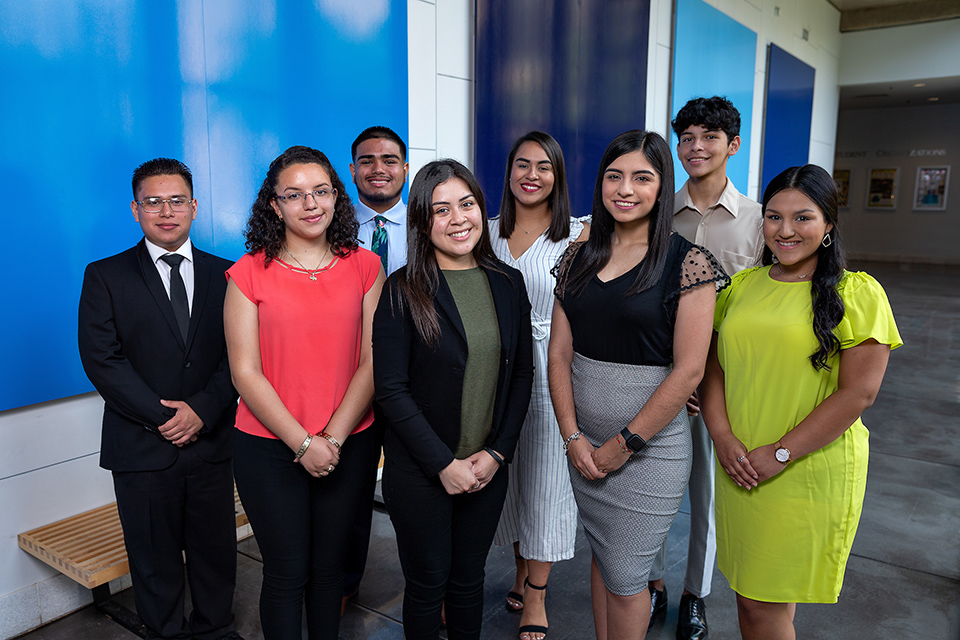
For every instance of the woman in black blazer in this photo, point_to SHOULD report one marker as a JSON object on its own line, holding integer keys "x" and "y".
{"x": 453, "y": 367}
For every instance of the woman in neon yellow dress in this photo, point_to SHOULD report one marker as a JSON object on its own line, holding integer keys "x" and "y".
{"x": 800, "y": 349}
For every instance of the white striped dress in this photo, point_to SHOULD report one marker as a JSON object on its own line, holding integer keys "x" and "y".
{"x": 540, "y": 510}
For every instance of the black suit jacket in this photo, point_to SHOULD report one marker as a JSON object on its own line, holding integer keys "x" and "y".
{"x": 419, "y": 388}
{"x": 133, "y": 353}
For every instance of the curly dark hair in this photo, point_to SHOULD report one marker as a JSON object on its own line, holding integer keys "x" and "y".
{"x": 713, "y": 114}
{"x": 266, "y": 232}
{"x": 818, "y": 185}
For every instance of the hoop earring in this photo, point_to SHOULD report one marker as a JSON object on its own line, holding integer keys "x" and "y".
{"x": 827, "y": 241}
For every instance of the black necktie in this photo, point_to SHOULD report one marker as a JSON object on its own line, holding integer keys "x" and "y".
{"x": 178, "y": 293}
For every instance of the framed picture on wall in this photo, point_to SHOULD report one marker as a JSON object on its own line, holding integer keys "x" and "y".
{"x": 930, "y": 193}
{"x": 882, "y": 189}
{"x": 842, "y": 178}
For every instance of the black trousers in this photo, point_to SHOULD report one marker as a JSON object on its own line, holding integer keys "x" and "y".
{"x": 356, "y": 558}
{"x": 443, "y": 542}
{"x": 187, "y": 507}
{"x": 303, "y": 526}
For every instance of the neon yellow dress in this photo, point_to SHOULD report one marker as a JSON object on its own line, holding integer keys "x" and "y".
{"x": 788, "y": 539}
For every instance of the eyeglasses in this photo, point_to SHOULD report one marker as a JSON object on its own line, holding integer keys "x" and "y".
{"x": 299, "y": 197}
{"x": 155, "y": 205}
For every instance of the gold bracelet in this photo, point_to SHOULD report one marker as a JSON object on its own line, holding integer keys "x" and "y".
{"x": 329, "y": 438}
{"x": 303, "y": 447}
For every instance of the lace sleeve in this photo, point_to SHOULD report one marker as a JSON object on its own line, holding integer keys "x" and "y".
{"x": 700, "y": 268}
{"x": 561, "y": 270}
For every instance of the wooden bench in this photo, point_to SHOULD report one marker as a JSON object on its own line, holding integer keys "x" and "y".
{"x": 88, "y": 548}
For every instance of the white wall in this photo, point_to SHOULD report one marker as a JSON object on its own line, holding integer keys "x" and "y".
{"x": 49, "y": 469}
{"x": 912, "y": 52}
{"x": 441, "y": 81}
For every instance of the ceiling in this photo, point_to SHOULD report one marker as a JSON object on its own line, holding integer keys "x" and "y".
{"x": 900, "y": 94}
{"x": 847, "y": 5}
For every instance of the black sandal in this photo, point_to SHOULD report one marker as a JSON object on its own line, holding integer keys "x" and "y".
{"x": 513, "y": 595}
{"x": 533, "y": 628}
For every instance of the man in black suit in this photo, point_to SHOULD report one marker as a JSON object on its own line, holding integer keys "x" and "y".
{"x": 151, "y": 342}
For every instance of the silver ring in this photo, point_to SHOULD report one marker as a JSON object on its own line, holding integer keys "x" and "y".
{"x": 740, "y": 459}
{"x": 478, "y": 485}
{"x": 330, "y": 469}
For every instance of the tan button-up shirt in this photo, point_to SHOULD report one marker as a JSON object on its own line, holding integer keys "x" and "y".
{"x": 730, "y": 229}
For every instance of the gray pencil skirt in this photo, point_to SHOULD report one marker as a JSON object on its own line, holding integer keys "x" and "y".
{"x": 627, "y": 514}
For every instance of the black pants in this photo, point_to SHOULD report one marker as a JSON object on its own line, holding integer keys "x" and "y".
{"x": 443, "y": 542}
{"x": 356, "y": 559}
{"x": 187, "y": 507}
{"x": 302, "y": 525}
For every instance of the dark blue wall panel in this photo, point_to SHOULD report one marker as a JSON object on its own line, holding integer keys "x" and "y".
{"x": 576, "y": 70}
{"x": 789, "y": 114}
{"x": 90, "y": 90}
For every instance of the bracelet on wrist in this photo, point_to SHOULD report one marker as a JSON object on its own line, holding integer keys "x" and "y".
{"x": 622, "y": 444}
{"x": 573, "y": 436}
{"x": 303, "y": 447}
{"x": 495, "y": 456}
{"x": 329, "y": 438}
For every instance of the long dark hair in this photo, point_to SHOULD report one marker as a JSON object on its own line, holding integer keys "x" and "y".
{"x": 420, "y": 280}
{"x": 265, "y": 230}
{"x": 559, "y": 198}
{"x": 817, "y": 185}
{"x": 596, "y": 252}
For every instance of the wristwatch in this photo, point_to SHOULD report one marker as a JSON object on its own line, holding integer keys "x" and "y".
{"x": 782, "y": 454}
{"x": 632, "y": 440}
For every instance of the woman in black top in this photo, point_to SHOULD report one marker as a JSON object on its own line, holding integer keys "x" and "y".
{"x": 453, "y": 368}
{"x": 631, "y": 329}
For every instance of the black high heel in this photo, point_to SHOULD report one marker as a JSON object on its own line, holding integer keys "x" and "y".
{"x": 534, "y": 628}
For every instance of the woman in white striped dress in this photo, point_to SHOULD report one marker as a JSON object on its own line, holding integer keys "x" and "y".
{"x": 539, "y": 517}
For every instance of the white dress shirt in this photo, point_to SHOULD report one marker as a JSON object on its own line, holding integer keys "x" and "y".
{"x": 396, "y": 227}
{"x": 186, "y": 267}
{"x": 731, "y": 229}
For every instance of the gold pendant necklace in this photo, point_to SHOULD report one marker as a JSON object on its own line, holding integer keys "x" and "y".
{"x": 312, "y": 273}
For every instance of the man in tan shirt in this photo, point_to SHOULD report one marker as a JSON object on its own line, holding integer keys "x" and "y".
{"x": 712, "y": 213}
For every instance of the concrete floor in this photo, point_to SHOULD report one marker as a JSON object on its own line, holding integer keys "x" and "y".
{"x": 902, "y": 580}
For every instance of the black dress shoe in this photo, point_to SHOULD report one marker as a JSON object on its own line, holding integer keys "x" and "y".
{"x": 658, "y": 603}
{"x": 692, "y": 622}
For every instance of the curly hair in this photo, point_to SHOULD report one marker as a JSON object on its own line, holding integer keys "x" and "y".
{"x": 713, "y": 114}
{"x": 266, "y": 232}
{"x": 828, "y": 309}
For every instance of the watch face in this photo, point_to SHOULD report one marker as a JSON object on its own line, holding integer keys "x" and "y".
{"x": 783, "y": 455}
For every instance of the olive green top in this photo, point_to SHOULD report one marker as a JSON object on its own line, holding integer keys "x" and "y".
{"x": 471, "y": 293}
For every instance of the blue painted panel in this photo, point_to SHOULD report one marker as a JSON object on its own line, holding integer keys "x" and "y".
{"x": 714, "y": 55}
{"x": 90, "y": 90}
{"x": 789, "y": 114}
{"x": 576, "y": 70}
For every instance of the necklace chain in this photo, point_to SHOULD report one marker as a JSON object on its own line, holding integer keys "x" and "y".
{"x": 784, "y": 273}
{"x": 310, "y": 272}
{"x": 517, "y": 224}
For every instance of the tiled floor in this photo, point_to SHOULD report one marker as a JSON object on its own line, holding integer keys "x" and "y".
{"x": 903, "y": 580}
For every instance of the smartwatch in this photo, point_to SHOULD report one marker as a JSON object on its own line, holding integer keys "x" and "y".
{"x": 632, "y": 440}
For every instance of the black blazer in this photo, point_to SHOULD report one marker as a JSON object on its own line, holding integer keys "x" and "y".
{"x": 419, "y": 388}
{"x": 133, "y": 353}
